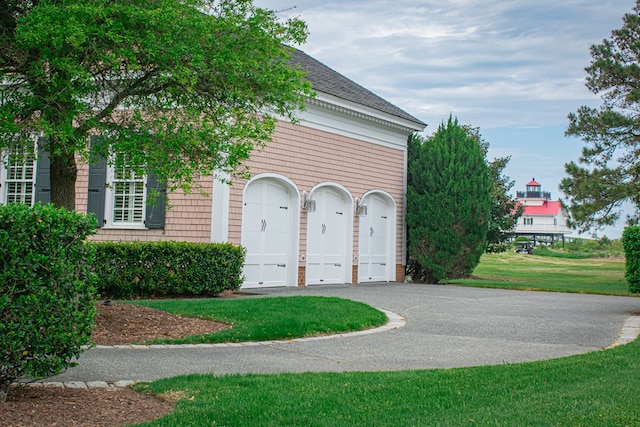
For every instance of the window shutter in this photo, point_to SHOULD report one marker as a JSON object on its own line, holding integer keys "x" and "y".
{"x": 155, "y": 214}
{"x": 97, "y": 185}
{"x": 43, "y": 174}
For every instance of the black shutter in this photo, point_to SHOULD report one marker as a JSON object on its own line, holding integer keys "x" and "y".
{"x": 43, "y": 174}
{"x": 155, "y": 214}
{"x": 97, "y": 185}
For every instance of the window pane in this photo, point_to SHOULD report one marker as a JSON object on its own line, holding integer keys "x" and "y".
{"x": 128, "y": 196}
{"x": 19, "y": 178}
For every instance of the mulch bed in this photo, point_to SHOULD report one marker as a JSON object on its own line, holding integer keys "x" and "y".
{"x": 113, "y": 407}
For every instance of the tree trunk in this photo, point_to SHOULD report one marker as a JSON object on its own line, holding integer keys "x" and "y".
{"x": 63, "y": 180}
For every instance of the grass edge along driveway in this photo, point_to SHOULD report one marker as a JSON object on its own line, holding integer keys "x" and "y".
{"x": 598, "y": 388}
{"x": 274, "y": 318}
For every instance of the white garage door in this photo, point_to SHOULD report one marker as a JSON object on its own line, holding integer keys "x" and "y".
{"x": 375, "y": 250}
{"x": 266, "y": 233}
{"x": 327, "y": 238}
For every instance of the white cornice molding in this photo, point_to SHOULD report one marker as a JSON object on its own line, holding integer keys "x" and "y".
{"x": 348, "y": 108}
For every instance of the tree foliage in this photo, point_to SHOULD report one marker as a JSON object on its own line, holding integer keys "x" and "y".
{"x": 181, "y": 87}
{"x": 505, "y": 209}
{"x": 448, "y": 204}
{"x": 608, "y": 171}
{"x": 631, "y": 243}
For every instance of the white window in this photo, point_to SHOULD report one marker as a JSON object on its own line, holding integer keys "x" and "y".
{"x": 125, "y": 198}
{"x": 118, "y": 196}
{"x": 528, "y": 221}
{"x": 18, "y": 177}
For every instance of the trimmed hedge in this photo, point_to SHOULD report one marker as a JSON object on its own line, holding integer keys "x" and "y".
{"x": 47, "y": 293}
{"x": 631, "y": 243}
{"x": 158, "y": 269}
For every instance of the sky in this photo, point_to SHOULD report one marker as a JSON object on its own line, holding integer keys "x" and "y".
{"x": 514, "y": 69}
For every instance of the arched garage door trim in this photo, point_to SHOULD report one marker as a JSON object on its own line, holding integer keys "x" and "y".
{"x": 330, "y": 235}
{"x": 270, "y": 231}
{"x": 377, "y": 238}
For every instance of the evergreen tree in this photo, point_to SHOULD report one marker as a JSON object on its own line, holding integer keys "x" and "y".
{"x": 505, "y": 209}
{"x": 448, "y": 204}
{"x": 607, "y": 174}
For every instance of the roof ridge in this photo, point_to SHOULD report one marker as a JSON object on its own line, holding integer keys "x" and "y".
{"x": 327, "y": 80}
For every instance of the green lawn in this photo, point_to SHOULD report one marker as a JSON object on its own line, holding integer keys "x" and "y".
{"x": 521, "y": 271}
{"x": 261, "y": 319}
{"x": 595, "y": 389}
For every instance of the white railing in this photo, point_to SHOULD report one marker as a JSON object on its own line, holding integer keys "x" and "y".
{"x": 542, "y": 228}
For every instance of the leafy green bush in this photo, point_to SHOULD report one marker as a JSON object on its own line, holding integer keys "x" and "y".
{"x": 47, "y": 290}
{"x": 153, "y": 269}
{"x": 575, "y": 245}
{"x": 631, "y": 243}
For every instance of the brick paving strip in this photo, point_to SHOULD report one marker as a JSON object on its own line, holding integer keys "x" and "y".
{"x": 394, "y": 321}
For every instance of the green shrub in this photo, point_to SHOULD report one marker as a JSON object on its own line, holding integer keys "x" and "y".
{"x": 47, "y": 290}
{"x": 497, "y": 248}
{"x": 154, "y": 269}
{"x": 631, "y": 243}
{"x": 575, "y": 245}
{"x": 545, "y": 251}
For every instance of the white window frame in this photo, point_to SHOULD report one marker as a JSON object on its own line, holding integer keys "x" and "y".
{"x": 6, "y": 181}
{"x": 111, "y": 205}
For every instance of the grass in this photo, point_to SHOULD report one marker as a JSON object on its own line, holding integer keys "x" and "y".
{"x": 546, "y": 273}
{"x": 599, "y": 388}
{"x": 261, "y": 319}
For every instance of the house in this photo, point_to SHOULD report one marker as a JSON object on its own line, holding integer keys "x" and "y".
{"x": 325, "y": 202}
{"x": 543, "y": 218}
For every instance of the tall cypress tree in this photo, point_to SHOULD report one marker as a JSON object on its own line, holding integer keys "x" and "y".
{"x": 448, "y": 204}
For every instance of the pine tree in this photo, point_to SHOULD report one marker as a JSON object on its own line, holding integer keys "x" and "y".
{"x": 607, "y": 174}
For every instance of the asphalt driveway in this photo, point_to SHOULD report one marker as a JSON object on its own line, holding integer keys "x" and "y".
{"x": 445, "y": 326}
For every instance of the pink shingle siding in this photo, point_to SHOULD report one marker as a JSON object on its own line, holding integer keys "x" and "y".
{"x": 188, "y": 218}
{"x": 309, "y": 157}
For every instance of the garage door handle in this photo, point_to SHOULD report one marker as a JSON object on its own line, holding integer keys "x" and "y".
{"x": 282, "y": 265}
{"x": 337, "y": 265}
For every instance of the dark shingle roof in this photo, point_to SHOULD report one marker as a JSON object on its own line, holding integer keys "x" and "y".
{"x": 326, "y": 80}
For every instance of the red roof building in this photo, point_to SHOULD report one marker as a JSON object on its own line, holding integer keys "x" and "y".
{"x": 543, "y": 218}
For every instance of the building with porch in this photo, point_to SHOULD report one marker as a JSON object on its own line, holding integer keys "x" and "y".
{"x": 543, "y": 219}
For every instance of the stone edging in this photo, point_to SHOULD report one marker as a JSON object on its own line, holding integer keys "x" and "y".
{"x": 630, "y": 331}
{"x": 84, "y": 385}
{"x": 394, "y": 321}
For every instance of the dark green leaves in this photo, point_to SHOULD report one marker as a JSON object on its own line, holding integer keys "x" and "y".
{"x": 46, "y": 289}
{"x": 448, "y": 203}
{"x": 607, "y": 173}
